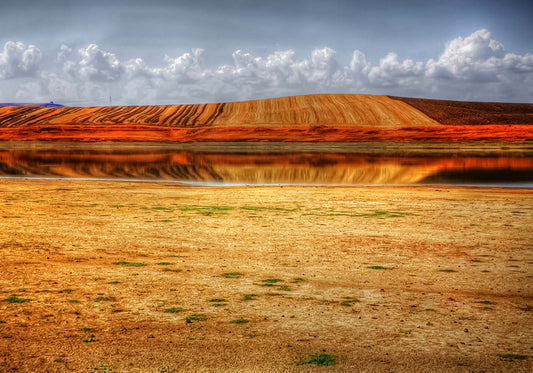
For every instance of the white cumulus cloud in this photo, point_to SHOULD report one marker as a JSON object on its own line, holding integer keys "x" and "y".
{"x": 475, "y": 67}
{"x": 95, "y": 65}
{"x": 18, "y": 60}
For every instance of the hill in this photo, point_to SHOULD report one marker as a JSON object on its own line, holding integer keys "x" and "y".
{"x": 323, "y": 117}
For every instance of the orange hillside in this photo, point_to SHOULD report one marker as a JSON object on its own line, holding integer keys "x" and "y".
{"x": 309, "y": 110}
{"x": 322, "y": 117}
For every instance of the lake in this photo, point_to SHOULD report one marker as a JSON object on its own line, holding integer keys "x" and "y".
{"x": 274, "y": 163}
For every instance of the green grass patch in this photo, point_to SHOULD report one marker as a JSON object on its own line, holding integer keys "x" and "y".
{"x": 240, "y": 321}
{"x": 195, "y": 317}
{"x": 297, "y": 280}
{"x": 103, "y": 299}
{"x": 164, "y": 264}
{"x": 485, "y": 302}
{"x": 73, "y": 301}
{"x": 231, "y": 275}
{"x": 249, "y": 297}
{"x": 15, "y": 299}
{"x": 320, "y": 360}
{"x": 271, "y": 280}
{"x": 114, "y": 282}
{"x": 349, "y": 301}
{"x": 68, "y": 291}
{"x": 206, "y": 210}
{"x": 284, "y": 288}
{"x": 173, "y": 310}
{"x": 129, "y": 264}
{"x": 217, "y": 300}
{"x": 447, "y": 270}
{"x": 377, "y": 267}
{"x": 88, "y": 330}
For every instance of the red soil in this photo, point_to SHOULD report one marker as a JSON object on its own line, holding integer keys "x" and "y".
{"x": 471, "y": 113}
{"x": 490, "y": 133}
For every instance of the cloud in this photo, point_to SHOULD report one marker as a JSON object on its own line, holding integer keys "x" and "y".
{"x": 94, "y": 65}
{"x": 17, "y": 60}
{"x": 475, "y": 67}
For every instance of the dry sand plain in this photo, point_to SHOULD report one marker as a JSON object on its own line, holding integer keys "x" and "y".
{"x": 384, "y": 278}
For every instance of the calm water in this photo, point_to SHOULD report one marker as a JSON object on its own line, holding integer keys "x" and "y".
{"x": 322, "y": 164}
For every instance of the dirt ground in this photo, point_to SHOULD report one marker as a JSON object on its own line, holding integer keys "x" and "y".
{"x": 105, "y": 276}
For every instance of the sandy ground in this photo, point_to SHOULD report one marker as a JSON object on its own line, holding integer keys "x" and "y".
{"x": 383, "y": 278}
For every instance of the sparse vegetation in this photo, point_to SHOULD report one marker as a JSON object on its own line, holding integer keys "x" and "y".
{"x": 173, "y": 310}
{"x": 349, "y": 301}
{"x": 15, "y": 299}
{"x": 207, "y": 210}
{"x": 447, "y": 270}
{"x": 271, "y": 280}
{"x": 218, "y": 302}
{"x": 195, "y": 317}
{"x": 232, "y": 275}
{"x": 129, "y": 264}
{"x": 249, "y": 297}
{"x": 320, "y": 360}
{"x": 377, "y": 267}
{"x": 101, "y": 368}
{"x": 240, "y": 321}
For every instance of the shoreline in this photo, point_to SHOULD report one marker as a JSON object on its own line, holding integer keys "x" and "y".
{"x": 302, "y": 146}
{"x": 349, "y": 134}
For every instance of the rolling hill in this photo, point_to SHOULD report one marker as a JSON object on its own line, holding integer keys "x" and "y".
{"x": 322, "y": 117}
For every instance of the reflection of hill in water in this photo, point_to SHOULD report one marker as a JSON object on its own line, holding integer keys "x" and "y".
{"x": 261, "y": 168}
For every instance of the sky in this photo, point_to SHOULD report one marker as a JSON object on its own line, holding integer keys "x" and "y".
{"x": 171, "y": 52}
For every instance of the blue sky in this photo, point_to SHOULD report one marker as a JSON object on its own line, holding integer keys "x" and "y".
{"x": 162, "y": 52}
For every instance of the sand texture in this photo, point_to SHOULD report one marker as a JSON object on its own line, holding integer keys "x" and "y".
{"x": 103, "y": 276}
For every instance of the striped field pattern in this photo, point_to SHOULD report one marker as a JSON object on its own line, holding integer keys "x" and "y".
{"x": 309, "y": 118}
{"x": 309, "y": 110}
